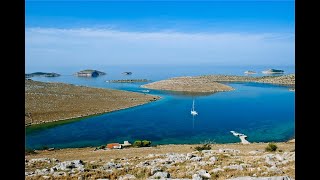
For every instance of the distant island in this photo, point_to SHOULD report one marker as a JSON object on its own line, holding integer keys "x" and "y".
{"x": 41, "y": 74}
{"x": 273, "y": 71}
{"x": 127, "y": 73}
{"x": 89, "y": 73}
{"x": 128, "y": 80}
{"x": 250, "y": 72}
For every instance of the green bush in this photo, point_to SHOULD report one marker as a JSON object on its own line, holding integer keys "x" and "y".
{"x": 203, "y": 147}
{"x": 44, "y": 147}
{"x": 144, "y": 143}
{"x": 271, "y": 147}
{"x": 29, "y": 151}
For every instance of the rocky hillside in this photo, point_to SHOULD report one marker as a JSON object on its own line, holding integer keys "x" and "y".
{"x": 229, "y": 161}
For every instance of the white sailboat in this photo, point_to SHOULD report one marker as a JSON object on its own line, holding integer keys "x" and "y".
{"x": 193, "y": 112}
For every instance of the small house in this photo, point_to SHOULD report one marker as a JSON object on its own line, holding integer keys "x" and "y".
{"x": 114, "y": 146}
{"x": 126, "y": 144}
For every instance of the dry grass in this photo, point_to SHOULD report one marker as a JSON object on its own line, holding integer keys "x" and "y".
{"x": 88, "y": 154}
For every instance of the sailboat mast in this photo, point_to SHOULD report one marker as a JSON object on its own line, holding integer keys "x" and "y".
{"x": 193, "y": 105}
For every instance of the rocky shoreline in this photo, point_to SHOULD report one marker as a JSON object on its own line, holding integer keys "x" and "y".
{"x": 222, "y": 161}
{"x": 51, "y": 102}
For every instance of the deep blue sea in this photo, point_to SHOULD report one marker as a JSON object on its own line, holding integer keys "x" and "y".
{"x": 263, "y": 112}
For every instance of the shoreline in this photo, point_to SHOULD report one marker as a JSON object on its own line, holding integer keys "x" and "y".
{"x": 241, "y": 142}
{"x": 155, "y": 147}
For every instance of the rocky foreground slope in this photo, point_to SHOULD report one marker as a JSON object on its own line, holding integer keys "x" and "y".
{"x": 230, "y": 161}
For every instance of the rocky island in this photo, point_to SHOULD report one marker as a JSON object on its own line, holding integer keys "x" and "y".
{"x": 250, "y": 72}
{"x": 188, "y": 84}
{"x": 89, "y": 73}
{"x": 273, "y": 71}
{"x": 41, "y": 74}
{"x": 210, "y": 83}
{"x": 127, "y": 73}
{"x": 128, "y": 80}
{"x": 48, "y": 102}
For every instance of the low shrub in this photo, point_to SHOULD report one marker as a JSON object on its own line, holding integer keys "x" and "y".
{"x": 139, "y": 143}
{"x": 29, "y": 151}
{"x": 271, "y": 147}
{"x": 203, "y": 147}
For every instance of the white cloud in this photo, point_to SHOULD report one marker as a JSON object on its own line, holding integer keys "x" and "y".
{"x": 51, "y": 46}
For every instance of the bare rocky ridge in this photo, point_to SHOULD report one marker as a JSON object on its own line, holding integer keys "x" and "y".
{"x": 188, "y": 84}
{"x": 209, "y": 83}
{"x": 223, "y": 161}
{"x": 48, "y": 102}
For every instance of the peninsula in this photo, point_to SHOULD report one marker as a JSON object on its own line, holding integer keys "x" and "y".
{"x": 48, "y": 102}
{"x": 210, "y": 83}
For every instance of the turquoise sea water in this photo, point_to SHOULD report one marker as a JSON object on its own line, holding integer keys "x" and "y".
{"x": 263, "y": 112}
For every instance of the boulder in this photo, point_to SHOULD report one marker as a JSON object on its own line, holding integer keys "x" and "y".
{"x": 196, "y": 159}
{"x": 262, "y": 178}
{"x": 127, "y": 177}
{"x": 275, "y": 170}
{"x": 196, "y": 177}
{"x": 69, "y": 165}
{"x": 44, "y": 171}
{"x": 204, "y": 174}
{"x": 235, "y": 167}
{"x": 216, "y": 170}
{"x": 112, "y": 165}
{"x": 213, "y": 159}
{"x": 231, "y": 151}
{"x": 189, "y": 156}
{"x": 59, "y": 174}
{"x": 160, "y": 175}
{"x": 154, "y": 170}
{"x": 46, "y": 160}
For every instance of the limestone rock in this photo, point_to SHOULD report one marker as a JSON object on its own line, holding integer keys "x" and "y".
{"x": 127, "y": 177}
{"x": 160, "y": 175}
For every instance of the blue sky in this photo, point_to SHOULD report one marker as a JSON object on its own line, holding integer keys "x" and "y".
{"x": 65, "y": 33}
